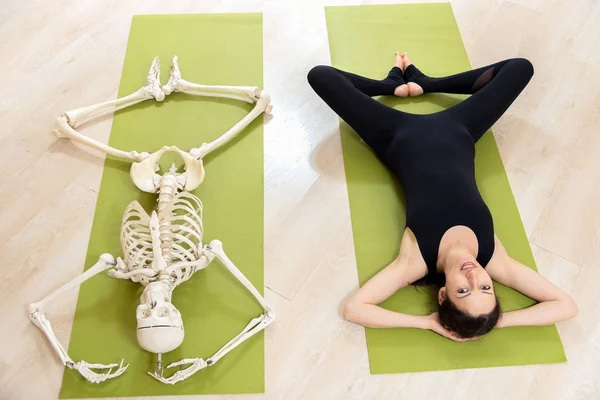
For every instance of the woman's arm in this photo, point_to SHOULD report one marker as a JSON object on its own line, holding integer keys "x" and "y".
{"x": 553, "y": 306}
{"x": 362, "y": 307}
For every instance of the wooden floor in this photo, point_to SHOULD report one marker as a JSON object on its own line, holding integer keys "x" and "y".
{"x": 60, "y": 55}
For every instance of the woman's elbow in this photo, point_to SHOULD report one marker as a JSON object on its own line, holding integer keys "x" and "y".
{"x": 350, "y": 311}
{"x": 573, "y": 310}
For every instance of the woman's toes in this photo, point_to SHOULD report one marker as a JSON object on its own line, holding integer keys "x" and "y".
{"x": 399, "y": 62}
{"x": 402, "y": 90}
{"x": 406, "y": 60}
{"x": 414, "y": 89}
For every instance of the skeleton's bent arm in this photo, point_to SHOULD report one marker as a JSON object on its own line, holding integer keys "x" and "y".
{"x": 257, "y": 324}
{"x": 38, "y": 317}
{"x": 253, "y": 327}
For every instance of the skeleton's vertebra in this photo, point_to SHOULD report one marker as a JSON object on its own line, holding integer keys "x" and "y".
{"x": 164, "y": 249}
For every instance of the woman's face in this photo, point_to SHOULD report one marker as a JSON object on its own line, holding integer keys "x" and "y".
{"x": 469, "y": 287}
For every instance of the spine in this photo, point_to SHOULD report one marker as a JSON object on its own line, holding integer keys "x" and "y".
{"x": 168, "y": 189}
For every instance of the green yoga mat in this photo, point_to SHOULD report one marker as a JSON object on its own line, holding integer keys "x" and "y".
{"x": 363, "y": 40}
{"x": 215, "y": 49}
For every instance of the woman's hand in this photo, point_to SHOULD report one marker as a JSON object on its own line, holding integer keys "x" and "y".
{"x": 434, "y": 325}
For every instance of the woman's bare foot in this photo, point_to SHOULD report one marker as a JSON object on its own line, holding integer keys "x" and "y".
{"x": 402, "y": 90}
{"x": 413, "y": 88}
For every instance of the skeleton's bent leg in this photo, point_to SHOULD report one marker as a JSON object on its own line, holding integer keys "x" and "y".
{"x": 262, "y": 105}
{"x": 249, "y": 94}
{"x": 65, "y": 124}
{"x": 82, "y": 115}
{"x": 152, "y": 89}
{"x": 64, "y": 130}
{"x": 38, "y": 317}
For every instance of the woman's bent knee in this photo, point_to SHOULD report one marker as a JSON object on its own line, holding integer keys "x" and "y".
{"x": 523, "y": 65}
{"x": 319, "y": 75}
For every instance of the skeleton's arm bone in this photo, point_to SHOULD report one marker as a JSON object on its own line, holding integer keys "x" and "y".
{"x": 262, "y": 105}
{"x": 37, "y": 316}
{"x": 64, "y": 130}
{"x": 196, "y": 364}
{"x": 105, "y": 262}
{"x": 255, "y": 325}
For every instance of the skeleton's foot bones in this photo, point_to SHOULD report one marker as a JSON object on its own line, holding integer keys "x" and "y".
{"x": 164, "y": 249}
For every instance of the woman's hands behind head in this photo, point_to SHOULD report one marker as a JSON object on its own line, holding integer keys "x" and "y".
{"x": 435, "y": 325}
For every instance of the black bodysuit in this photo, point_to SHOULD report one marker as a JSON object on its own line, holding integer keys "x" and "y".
{"x": 432, "y": 155}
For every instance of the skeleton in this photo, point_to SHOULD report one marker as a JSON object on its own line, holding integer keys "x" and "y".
{"x": 163, "y": 249}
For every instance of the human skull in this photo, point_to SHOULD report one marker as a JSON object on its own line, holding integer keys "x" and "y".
{"x": 159, "y": 323}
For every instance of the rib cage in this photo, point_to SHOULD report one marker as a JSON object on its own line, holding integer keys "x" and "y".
{"x": 136, "y": 241}
{"x": 183, "y": 217}
{"x": 181, "y": 235}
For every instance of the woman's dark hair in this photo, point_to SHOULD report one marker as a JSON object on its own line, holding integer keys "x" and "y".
{"x": 465, "y": 325}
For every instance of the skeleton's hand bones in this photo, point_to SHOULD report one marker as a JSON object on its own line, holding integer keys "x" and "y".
{"x": 196, "y": 364}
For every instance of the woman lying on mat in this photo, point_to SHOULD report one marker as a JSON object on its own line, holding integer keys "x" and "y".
{"x": 449, "y": 233}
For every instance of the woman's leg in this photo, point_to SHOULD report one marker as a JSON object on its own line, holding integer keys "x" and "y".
{"x": 372, "y": 87}
{"x": 349, "y": 96}
{"x": 493, "y": 88}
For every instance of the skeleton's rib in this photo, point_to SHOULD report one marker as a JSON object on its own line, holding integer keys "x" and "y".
{"x": 133, "y": 273}
{"x": 197, "y": 265}
{"x": 262, "y": 105}
{"x": 37, "y": 316}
